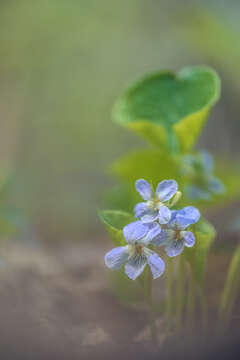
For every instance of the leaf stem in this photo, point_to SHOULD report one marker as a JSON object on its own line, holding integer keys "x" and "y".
{"x": 191, "y": 302}
{"x": 180, "y": 293}
{"x": 169, "y": 302}
{"x": 152, "y": 319}
{"x": 204, "y": 307}
{"x": 229, "y": 294}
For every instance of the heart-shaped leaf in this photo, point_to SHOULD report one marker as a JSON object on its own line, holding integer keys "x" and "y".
{"x": 170, "y": 109}
{"x": 115, "y": 220}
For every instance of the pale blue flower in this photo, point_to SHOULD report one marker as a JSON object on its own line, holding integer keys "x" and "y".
{"x": 175, "y": 236}
{"x": 136, "y": 255}
{"x": 199, "y": 169}
{"x": 154, "y": 207}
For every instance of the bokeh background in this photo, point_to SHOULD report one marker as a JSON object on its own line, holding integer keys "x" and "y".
{"x": 62, "y": 65}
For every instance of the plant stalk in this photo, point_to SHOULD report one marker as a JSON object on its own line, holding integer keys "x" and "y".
{"x": 191, "y": 303}
{"x": 180, "y": 293}
{"x": 169, "y": 302}
{"x": 152, "y": 320}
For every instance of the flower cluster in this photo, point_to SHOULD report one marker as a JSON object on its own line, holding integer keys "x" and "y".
{"x": 199, "y": 169}
{"x": 158, "y": 225}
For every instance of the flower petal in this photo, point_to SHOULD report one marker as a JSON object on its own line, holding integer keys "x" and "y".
{"x": 134, "y": 231}
{"x": 166, "y": 189}
{"x": 144, "y": 189}
{"x": 185, "y": 217}
{"x": 141, "y": 209}
{"x": 156, "y": 265}
{"x": 154, "y": 229}
{"x": 164, "y": 215}
{"x": 116, "y": 257}
{"x": 172, "y": 224}
{"x": 150, "y": 217}
{"x": 162, "y": 238}
{"x": 174, "y": 248}
{"x": 135, "y": 266}
{"x": 215, "y": 185}
{"x": 188, "y": 238}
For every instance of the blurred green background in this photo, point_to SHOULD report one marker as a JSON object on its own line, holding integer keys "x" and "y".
{"x": 62, "y": 65}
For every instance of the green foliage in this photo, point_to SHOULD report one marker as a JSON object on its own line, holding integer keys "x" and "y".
{"x": 197, "y": 255}
{"x": 155, "y": 165}
{"x": 115, "y": 220}
{"x": 121, "y": 197}
{"x": 231, "y": 285}
{"x": 152, "y": 165}
{"x": 170, "y": 109}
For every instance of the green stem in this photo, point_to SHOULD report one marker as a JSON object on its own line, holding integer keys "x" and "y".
{"x": 173, "y": 142}
{"x": 180, "y": 293}
{"x": 191, "y": 303}
{"x": 204, "y": 310}
{"x": 169, "y": 302}
{"x": 230, "y": 290}
{"x": 150, "y": 304}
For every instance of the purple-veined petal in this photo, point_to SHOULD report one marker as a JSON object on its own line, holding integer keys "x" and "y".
{"x": 166, "y": 189}
{"x": 154, "y": 229}
{"x": 135, "y": 266}
{"x": 144, "y": 189}
{"x": 173, "y": 224}
{"x": 140, "y": 209}
{"x": 161, "y": 239}
{"x": 215, "y": 185}
{"x": 116, "y": 257}
{"x": 134, "y": 231}
{"x": 150, "y": 217}
{"x": 188, "y": 238}
{"x": 186, "y": 216}
{"x": 164, "y": 215}
{"x": 174, "y": 248}
{"x": 156, "y": 264}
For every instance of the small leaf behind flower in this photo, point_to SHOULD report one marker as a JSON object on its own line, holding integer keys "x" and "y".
{"x": 115, "y": 220}
{"x": 152, "y": 165}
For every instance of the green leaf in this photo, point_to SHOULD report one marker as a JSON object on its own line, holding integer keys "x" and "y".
{"x": 115, "y": 220}
{"x": 197, "y": 255}
{"x": 170, "y": 109}
{"x": 152, "y": 165}
{"x": 121, "y": 197}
